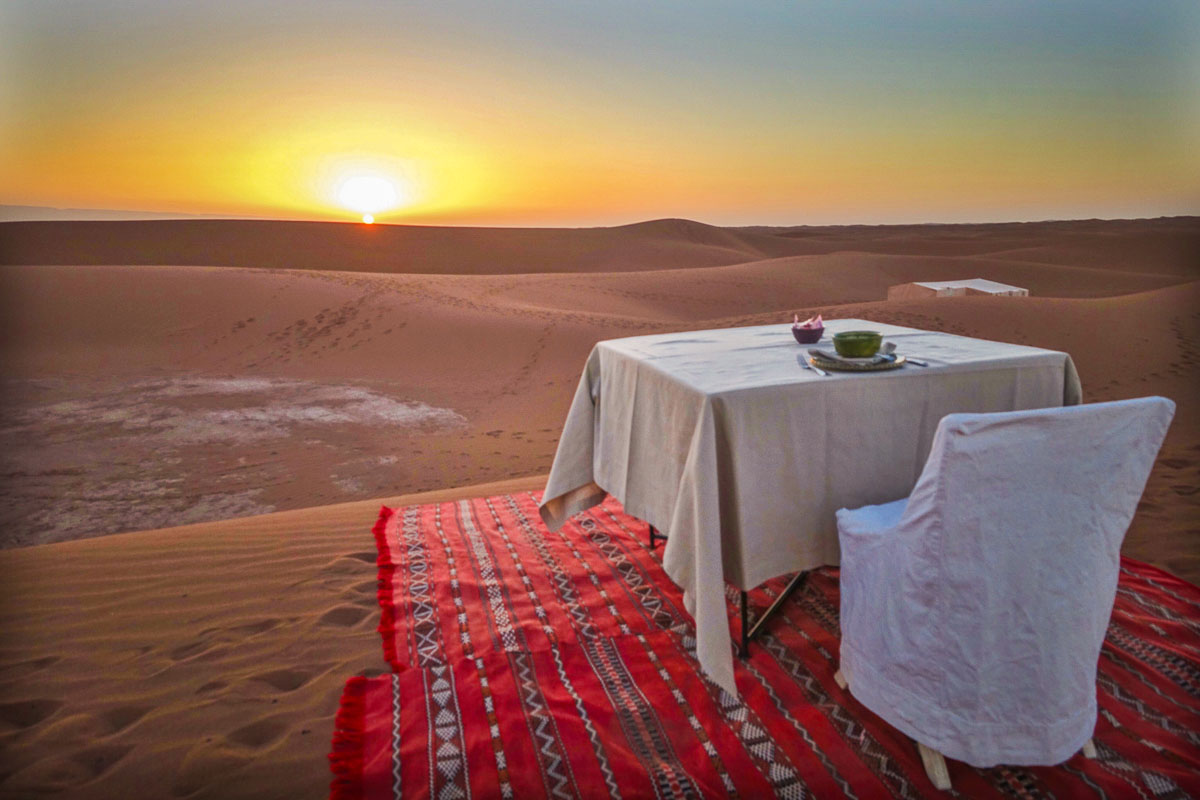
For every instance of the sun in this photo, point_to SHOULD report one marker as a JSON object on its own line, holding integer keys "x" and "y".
{"x": 367, "y": 194}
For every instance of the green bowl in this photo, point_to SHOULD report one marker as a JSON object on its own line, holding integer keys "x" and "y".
{"x": 857, "y": 344}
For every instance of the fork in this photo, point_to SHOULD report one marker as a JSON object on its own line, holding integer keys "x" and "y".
{"x": 806, "y": 364}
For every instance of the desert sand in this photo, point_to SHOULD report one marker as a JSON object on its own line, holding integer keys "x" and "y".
{"x": 170, "y": 372}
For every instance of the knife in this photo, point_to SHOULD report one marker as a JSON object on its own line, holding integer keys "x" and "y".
{"x": 907, "y": 359}
{"x": 889, "y": 352}
{"x": 893, "y": 356}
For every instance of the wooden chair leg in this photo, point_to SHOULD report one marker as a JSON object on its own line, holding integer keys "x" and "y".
{"x": 840, "y": 679}
{"x": 935, "y": 767}
{"x": 1089, "y": 749}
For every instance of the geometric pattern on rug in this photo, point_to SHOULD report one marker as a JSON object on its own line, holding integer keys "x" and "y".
{"x": 537, "y": 664}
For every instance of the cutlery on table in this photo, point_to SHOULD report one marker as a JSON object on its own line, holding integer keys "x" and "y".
{"x": 828, "y": 356}
{"x": 836, "y": 359}
{"x": 889, "y": 352}
{"x": 804, "y": 362}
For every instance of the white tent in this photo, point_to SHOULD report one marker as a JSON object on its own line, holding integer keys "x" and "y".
{"x": 918, "y": 289}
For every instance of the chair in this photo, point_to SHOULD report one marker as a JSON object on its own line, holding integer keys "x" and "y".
{"x": 973, "y": 611}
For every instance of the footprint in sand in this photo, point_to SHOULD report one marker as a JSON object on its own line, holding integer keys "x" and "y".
{"x": 119, "y": 718}
{"x": 89, "y": 728}
{"x": 205, "y": 760}
{"x": 369, "y": 588}
{"x": 21, "y": 669}
{"x": 216, "y": 653}
{"x": 98, "y": 759}
{"x": 27, "y": 713}
{"x": 285, "y": 680}
{"x": 62, "y": 773}
{"x": 189, "y": 650}
{"x": 255, "y": 628}
{"x": 246, "y": 630}
{"x": 343, "y": 616}
{"x": 347, "y": 565}
{"x": 260, "y": 733}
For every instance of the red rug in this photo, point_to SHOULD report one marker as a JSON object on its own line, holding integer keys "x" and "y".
{"x": 537, "y": 664}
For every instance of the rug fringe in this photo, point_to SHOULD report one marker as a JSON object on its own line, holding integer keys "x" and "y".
{"x": 347, "y": 757}
{"x": 387, "y": 609}
{"x": 1159, "y": 573}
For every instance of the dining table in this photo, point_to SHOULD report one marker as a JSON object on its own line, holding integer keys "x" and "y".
{"x": 731, "y": 445}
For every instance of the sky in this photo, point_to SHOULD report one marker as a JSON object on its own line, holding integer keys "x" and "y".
{"x": 597, "y": 112}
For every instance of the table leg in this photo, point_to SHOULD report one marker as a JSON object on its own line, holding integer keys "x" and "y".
{"x": 655, "y": 535}
{"x": 749, "y": 633}
{"x": 744, "y": 650}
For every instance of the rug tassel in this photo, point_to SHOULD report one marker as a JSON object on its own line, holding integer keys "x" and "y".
{"x": 346, "y": 756}
{"x": 387, "y": 609}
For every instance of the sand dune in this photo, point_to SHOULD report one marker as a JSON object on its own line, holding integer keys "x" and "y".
{"x": 273, "y": 386}
{"x": 206, "y": 660}
{"x": 141, "y": 395}
{"x": 385, "y": 248}
{"x": 1169, "y": 245}
{"x": 782, "y": 283}
{"x": 92, "y": 397}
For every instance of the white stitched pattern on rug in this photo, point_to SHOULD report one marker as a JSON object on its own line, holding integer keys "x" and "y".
{"x": 396, "y": 736}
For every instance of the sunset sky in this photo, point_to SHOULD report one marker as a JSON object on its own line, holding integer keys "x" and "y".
{"x": 588, "y": 113}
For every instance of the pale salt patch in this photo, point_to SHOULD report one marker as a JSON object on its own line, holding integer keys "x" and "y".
{"x": 351, "y": 485}
{"x": 223, "y": 505}
{"x": 186, "y": 386}
{"x": 129, "y": 505}
{"x": 287, "y": 404}
{"x": 103, "y": 457}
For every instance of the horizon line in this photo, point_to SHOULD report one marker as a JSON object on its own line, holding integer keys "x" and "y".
{"x": 36, "y": 214}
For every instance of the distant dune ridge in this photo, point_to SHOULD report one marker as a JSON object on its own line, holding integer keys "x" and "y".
{"x": 163, "y": 371}
{"x": 1165, "y": 244}
{"x": 355, "y": 247}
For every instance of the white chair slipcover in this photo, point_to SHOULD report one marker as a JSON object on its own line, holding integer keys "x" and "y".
{"x": 973, "y": 611}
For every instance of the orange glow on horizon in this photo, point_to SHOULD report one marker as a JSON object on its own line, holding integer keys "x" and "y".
{"x": 319, "y": 171}
{"x": 519, "y": 145}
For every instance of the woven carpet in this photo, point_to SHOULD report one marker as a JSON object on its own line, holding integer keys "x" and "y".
{"x": 535, "y": 664}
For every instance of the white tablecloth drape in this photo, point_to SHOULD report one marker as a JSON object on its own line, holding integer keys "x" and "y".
{"x": 741, "y": 457}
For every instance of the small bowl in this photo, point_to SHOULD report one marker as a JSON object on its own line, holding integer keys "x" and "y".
{"x": 857, "y": 344}
{"x": 808, "y": 335}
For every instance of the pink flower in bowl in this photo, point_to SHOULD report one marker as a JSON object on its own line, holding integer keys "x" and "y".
{"x": 809, "y": 331}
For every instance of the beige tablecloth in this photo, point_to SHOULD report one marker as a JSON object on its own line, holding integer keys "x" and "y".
{"x": 741, "y": 457}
